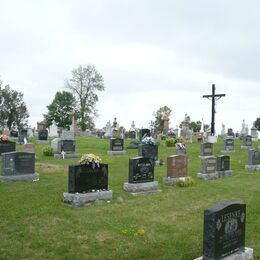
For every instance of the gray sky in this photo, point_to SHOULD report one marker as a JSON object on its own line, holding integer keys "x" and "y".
{"x": 150, "y": 53}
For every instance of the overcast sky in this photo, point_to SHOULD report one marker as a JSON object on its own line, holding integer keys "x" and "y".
{"x": 151, "y": 53}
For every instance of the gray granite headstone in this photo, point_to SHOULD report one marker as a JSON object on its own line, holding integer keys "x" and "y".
{"x": 224, "y": 229}
{"x": 7, "y": 146}
{"x": 206, "y": 149}
{"x": 68, "y": 135}
{"x": 229, "y": 144}
{"x": 247, "y": 141}
{"x": 254, "y": 157}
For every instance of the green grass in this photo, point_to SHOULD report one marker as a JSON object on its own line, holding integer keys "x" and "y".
{"x": 36, "y": 224}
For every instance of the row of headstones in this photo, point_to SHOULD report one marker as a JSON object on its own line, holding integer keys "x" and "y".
{"x": 224, "y": 224}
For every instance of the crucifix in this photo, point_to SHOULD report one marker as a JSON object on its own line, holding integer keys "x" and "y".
{"x": 213, "y": 97}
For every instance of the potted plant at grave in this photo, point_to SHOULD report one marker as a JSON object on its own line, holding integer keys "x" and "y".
{"x": 4, "y": 138}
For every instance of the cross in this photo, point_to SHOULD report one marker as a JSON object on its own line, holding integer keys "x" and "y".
{"x": 213, "y": 96}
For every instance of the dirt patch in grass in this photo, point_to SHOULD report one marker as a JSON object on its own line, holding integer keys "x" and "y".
{"x": 47, "y": 167}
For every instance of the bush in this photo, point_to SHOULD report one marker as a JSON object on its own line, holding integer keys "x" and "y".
{"x": 47, "y": 151}
{"x": 170, "y": 142}
{"x": 185, "y": 182}
{"x": 133, "y": 144}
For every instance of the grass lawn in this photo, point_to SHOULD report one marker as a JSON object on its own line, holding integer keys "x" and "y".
{"x": 36, "y": 224}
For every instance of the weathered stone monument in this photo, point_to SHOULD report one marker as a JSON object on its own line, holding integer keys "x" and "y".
{"x": 208, "y": 169}
{"x": 247, "y": 142}
{"x": 253, "y": 160}
{"x": 177, "y": 167}
{"x": 229, "y": 146}
{"x": 223, "y": 166}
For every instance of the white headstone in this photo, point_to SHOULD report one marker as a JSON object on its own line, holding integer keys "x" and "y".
{"x": 53, "y": 129}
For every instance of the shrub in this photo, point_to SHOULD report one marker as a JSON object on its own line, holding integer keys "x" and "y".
{"x": 170, "y": 142}
{"x": 184, "y": 182}
{"x": 133, "y": 144}
{"x": 47, "y": 151}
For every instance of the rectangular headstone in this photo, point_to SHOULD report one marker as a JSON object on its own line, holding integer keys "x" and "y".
{"x": 206, "y": 149}
{"x": 85, "y": 178}
{"x": 223, "y": 163}
{"x": 29, "y": 148}
{"x": 254, "y": 157}
{"x": 43, "y": 134}
{"x": 177, "y": 166}
{"x": 22, "y": 136}
{"x": 132, "y": 134}
{"x": 148, "y": 151}
{"x": 67, "y": 135}
{"x": 208, "y": 164}
{"x": 141, "y": 169}
{"x": 229, "y": 144}
{"x": 247, "y": 141}
{"x": 116, "y": 144}
{"x": 14, "y": 133}
{"x": 7, "y": 146}
{"x": 224, "y": 229}
{"x": 56, "y": 145}
{"x": 144, "y": 132}
{"x": 18, "y": 163}
{"x": 68, "y": 146}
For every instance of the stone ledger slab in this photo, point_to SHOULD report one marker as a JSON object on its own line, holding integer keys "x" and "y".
{"x": 246, "y": 254}
{"x": 23, "y": 177}
{"x": 42, "y": 141}
{"x": 171, "y": 181}
{"x": 116, "y": 152}
{"x": 67, "y": 155}
{"x": 141, "y": 188}
{"x": 80, "y": 199}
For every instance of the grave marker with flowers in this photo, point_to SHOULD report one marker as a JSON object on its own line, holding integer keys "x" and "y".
{"x": 88, "y": 181}
{"x": 6, "y": 145}
{"x": 148, "y": 148}
{"x": 180, "y": 148}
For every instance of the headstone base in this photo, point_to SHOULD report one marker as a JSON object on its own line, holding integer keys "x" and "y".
{"x": 141, "y": 188}
{"x": 66, "y": 155}
{"x": 252, "y": 167}
{"x": 42, "y": 141}
{"x": 24, "y": 177}
{"x": 226, "y": 151}
{"x": 245, "y": 254}
{"x": 171, "y": 181}
{"x": 208, "y": 176}
{"x": 80, "y": 199}
{"x": 115, "y": 152}
{"x": 222, "y": 174}
{"x": 246, "y": 147}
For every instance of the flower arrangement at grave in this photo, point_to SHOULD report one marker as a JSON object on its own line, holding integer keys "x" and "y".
{"x": 161, "y": 162}
{"x": 149, "y": 141}
{"x": 90, "y": 159}
{"x": 4, "y": 138}
{"x": 180, "y": 146}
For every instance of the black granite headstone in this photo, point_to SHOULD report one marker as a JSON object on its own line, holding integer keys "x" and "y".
{"x": 85, "y": 178}
{"x": 68, "y": 146}
{"x": 206, "y": 149}
{"x": 144, "y": 132}
{"x": 148, "y": 151}
{"x": 116, "y": 144}
{"x": 132, "y": 134}
{"x": 230, "y": 132}
{"x": 18, "y": 163}
{"x": 43, "y": 134}
{"x": 223, "y": 163}
{"x": 224, "y": 229}
{"x": 254, "y": 157}
{"x": 14, "y": 133}
{"x": 6, "y": 147}
{"x": 141, "y": 169}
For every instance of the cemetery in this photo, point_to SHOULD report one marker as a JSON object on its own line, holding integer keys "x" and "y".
{"x": 89, "y": 211}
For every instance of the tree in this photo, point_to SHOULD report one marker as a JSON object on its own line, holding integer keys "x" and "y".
{"x": 13, "y": 111}
{"x": 257, "y": 123}
{"x": 195, "y": 126}
{"x": 84, "y": 83}
{"x": 159, "y": 115}
{"x": 61, "y": 110}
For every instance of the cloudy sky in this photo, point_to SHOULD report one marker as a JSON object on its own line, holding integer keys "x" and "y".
{"x": 151, "y": 53}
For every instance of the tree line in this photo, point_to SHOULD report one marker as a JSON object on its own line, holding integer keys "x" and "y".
{"x": 79, "y": 102}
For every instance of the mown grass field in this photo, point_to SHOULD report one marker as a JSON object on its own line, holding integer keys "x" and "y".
{"x": 36, "y": 224}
